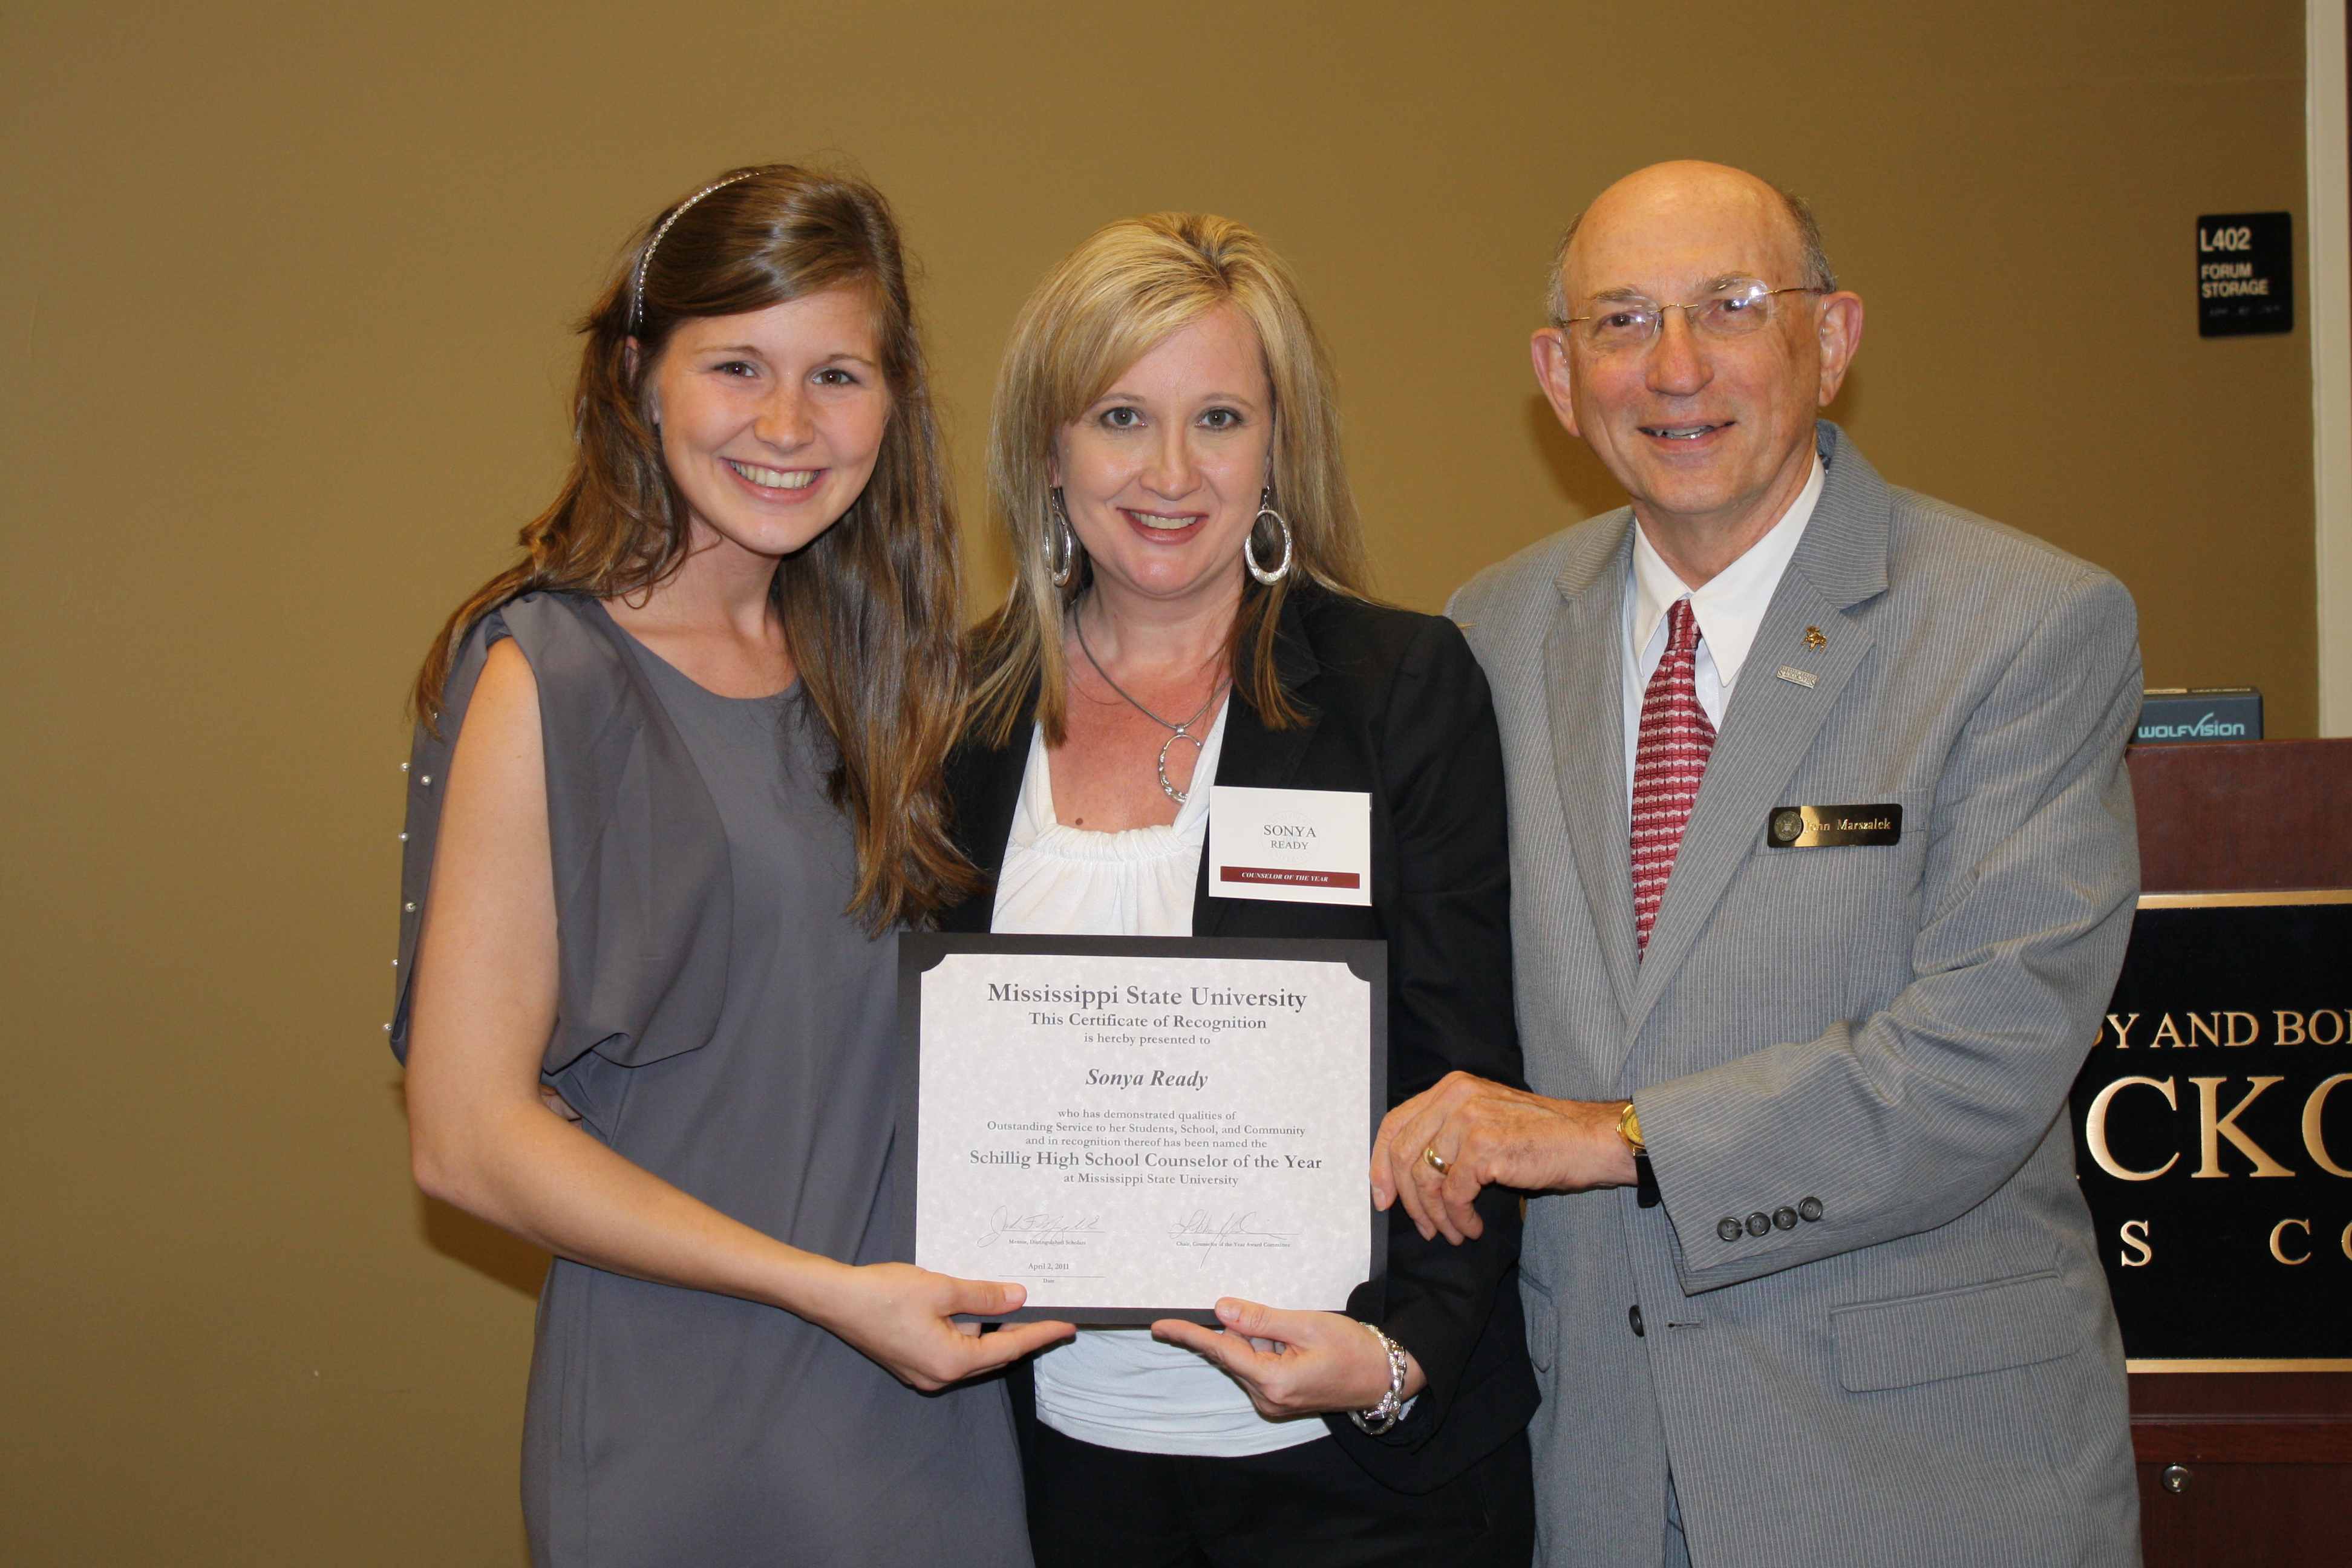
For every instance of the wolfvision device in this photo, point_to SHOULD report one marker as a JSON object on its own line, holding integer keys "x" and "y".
{"x": 2170, "y": 715}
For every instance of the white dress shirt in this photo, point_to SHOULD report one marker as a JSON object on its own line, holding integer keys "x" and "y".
{"x": 1728, "y": 607}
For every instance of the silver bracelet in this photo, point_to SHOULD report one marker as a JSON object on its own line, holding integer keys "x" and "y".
{"x": 1390, "y": 1408}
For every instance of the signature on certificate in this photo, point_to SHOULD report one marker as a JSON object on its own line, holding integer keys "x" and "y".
{"x": 1004, "y": 1223}
{"x": 1204, "y": 1230}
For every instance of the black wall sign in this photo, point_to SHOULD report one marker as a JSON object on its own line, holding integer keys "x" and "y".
{"x": 2245, "y": 274}
{"x": 2214, "y": 1131}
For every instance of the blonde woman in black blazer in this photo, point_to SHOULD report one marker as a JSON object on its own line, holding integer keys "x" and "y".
{"x": 1165, "y": 462}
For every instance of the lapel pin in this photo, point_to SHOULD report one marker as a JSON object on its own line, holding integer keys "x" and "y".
{"x": 1795, "y": 677}
{"x": 1813, "y": 637}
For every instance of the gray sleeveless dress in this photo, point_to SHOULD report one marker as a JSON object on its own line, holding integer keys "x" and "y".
{"x": 669, "y": 1427}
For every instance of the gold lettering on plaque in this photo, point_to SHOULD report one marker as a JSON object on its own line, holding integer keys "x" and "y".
{"x": 2094, "y": 1129}
{"x": 2211, "y": 1128}
{"x": 2283, "y": 1038}
{"x": 2336, "y": 1018}
{"x": 2167, "y": 1030}
{"x": 2201, "y": 1032}
{"x": 2123, "y": 1029}
{"x": 2278, "y": 1252}
{"x": 2315, "y": 1134}
{"x": 2134, "y": 1236}
{"x": 2254, "y": 1028}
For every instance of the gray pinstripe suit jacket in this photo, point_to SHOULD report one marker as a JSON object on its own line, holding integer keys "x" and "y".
{"x": 1930, "y": 1371}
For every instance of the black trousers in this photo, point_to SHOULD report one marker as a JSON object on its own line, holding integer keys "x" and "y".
{"x": 1308, "y": 1507}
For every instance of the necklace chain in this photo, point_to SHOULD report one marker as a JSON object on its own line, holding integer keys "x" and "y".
{"x": 1179, "y": 731}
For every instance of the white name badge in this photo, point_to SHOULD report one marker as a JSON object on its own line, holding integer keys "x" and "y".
{"x": 1294, "y": 846}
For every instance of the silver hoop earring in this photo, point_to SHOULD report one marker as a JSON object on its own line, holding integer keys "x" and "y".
{"x": 1061, "y": 545}
{"x": 1249, "y": 542}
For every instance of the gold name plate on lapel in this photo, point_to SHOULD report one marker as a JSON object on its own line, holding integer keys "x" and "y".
{"x": 1822, "y": 826}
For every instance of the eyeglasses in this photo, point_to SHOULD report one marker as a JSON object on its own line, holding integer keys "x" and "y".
{"x": 1736, "y": 308}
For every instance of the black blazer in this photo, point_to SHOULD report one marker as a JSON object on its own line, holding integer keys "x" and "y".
{"x": 1397, "y": 707}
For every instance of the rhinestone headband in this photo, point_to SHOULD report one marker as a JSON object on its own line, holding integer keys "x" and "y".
{"x": 637, "y": 284}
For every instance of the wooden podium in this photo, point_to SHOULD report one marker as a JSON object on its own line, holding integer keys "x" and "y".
{"x": 2252, "y": 1467}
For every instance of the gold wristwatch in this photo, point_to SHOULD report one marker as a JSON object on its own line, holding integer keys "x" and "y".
{"x": 1645, "y": 1180}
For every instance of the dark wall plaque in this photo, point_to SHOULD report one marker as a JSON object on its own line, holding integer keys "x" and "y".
{"x": 2179, "y": 715}
{"x": 2245, "y": 274}
{"x": 2213, "y": 1132}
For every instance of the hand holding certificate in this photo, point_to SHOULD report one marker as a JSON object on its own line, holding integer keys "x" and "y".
{"x": 1133, "y": 1129}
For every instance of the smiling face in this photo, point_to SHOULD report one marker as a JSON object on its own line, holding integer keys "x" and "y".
{"x": 1161, "y": 476}
{"x": 770, "y": 421}
{"x": 1710, "y": 434}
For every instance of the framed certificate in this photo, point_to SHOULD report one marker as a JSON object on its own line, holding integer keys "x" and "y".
{"x": 1134, "y": 1127}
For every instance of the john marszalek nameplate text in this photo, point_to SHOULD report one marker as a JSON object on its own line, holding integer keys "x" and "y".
{"x": 1132, "y": 1128}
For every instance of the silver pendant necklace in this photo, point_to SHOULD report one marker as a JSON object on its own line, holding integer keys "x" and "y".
{"x": 1180, "y": 731}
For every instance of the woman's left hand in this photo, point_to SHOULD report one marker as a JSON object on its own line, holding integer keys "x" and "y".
{"x": 1294, "y": 1364}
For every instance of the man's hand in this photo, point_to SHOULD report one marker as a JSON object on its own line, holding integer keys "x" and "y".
{"x": 1490, "y": 1135}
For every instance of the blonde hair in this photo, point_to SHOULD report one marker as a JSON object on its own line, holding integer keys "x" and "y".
{"x": 1124, "y": 290}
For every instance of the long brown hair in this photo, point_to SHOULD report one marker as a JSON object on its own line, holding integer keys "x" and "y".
{"x": 1105, "y": 306}
{"x": 870, "y": 609}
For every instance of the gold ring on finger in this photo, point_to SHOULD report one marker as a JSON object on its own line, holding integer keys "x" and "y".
{"x": 1436, "y": 1162}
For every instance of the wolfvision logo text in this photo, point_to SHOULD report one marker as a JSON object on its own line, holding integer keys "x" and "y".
{"x": 2204, "y": 728}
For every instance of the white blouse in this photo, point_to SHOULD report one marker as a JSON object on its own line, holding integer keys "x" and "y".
{"x": 1120, "y": 1388}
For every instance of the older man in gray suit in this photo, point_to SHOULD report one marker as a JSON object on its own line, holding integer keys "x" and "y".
{"x": 1823, "y": 863}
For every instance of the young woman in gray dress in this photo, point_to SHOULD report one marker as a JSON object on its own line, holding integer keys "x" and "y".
{"x": 675, "y": 780}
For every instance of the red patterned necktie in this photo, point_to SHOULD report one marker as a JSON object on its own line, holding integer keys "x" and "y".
{"x": 1669, "y": 760}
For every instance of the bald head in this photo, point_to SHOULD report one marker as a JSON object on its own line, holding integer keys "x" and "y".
{"x": 1690, "y": 193}
{"x": 1705, "y": 413}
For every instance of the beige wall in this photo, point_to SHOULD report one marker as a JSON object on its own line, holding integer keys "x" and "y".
{"x": 283, "y": 308}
